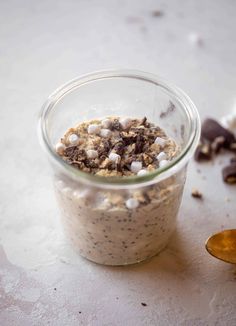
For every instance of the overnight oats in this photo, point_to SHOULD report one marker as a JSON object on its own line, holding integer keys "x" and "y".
{"x": 112, "y": 227}
{"x": 118, "y": 179}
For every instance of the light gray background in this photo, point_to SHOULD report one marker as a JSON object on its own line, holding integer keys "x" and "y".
{"x": 42, "y": 45}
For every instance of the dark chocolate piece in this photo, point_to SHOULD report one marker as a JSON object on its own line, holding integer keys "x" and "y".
{"x": 232, "y": 147}
{"x": 116, "y": 125}
{"x": 229, "y": 173}
{"x": 157, "y": 13}
{"x": 211, "y": 129}
{"x": 203, "y": 152}
{"x": 196, "y": 194}
{"x": 217, "y": 144}
{"x": 233, "y": 160}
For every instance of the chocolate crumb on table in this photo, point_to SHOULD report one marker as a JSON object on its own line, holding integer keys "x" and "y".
{"x": 196, "y": 194}
{"x": 157, "y": 13}
{"x": 229, "y": 173}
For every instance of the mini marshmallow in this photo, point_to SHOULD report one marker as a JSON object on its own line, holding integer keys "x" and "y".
{"x": 142, "y": 172}
{"x": 125, "y": 123}
{"x": 106, "y": 123}
{"x": 73, "y": 139}
{"x": 91, "y": 153}
{"x": 136, "y": 166}
{"x": 132, "y": 203}
{"x": 114, "y": 157}
{"x": 60, "y": 148}
{"x": 160, "y": 141}
{"x": 161, "y": 156}
{"x": 163, "y": 163}
{"x": 93, "y": 129}
{"x": 105, "y": 133}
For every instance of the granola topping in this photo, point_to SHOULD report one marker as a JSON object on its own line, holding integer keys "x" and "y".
{"x": 117, "y": 147}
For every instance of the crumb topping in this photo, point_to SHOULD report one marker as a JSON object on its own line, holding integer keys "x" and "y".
{"x": 117, "y": 147}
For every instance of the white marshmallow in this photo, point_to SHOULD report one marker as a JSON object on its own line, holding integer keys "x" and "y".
{"x": 91, "y": 153}
{"x": 94, "y": 129}
{"x": 161, "y": 156}
{"x": 163, "y": 163}
{"x": 73, "y": 139}
{"x": 160, "y": 141}
{"x": 125, "y": 123}
{"x": 105, "y": 133}
{"x": 142, "y": 172}
{"x": 114, "y": 157}
{"x": 60, "y": 148}
{"x": 136, "y": 166}
{"x": 132, "y": 203}
{"x": 106, "y": 123}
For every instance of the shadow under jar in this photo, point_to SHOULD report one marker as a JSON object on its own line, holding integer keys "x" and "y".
{"x": 94, "y": 211}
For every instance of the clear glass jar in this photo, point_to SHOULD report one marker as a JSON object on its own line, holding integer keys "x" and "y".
{"x": 94, "y": 209}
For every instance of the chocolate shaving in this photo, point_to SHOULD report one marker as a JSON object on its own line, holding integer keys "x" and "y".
{"x": 211, "y": 129}
{"x": 229, "y": 173}
{"x": 116, "y": 125}
{"x": 119, "y": 147}
{"x": 140, "y": 141}
{"x": 73, "y": 153}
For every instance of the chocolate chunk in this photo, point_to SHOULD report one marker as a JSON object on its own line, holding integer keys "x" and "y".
{"x": 233, "y": 160}
{"x": 196, "y": 194}
{"x": 140, "y": 142}
{"x": 73, "y": 153}
{"x": 128, "y": 139}
{"x": 232, "y": 147}
{"x": 211, "y": 129}
{"x": 217, "y": 144}
{"x": 203, "y": 152}
{"x": 229, "y": 173}
{"x": 119, "y": 147}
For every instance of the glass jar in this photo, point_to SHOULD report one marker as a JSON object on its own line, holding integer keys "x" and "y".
{"x": 96, "y": 212}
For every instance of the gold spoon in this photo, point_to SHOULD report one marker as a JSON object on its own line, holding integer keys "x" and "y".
{"x": 222, "y": 245}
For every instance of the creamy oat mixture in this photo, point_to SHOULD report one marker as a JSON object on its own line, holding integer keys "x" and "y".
{"x": 118, "y": 226}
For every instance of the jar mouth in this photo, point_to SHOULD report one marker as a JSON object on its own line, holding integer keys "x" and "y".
{"x": 152, "y": 177}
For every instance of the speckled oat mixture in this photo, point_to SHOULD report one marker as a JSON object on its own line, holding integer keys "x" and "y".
{"x": 118, "y": 226}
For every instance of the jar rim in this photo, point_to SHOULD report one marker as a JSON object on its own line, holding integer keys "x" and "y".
{"x": 152, "y": 177}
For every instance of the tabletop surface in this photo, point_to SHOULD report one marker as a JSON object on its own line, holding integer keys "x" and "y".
{"x": 45, "y": 43}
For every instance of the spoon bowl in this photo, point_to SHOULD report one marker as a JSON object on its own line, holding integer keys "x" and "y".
{"x": 222, "y": 245}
